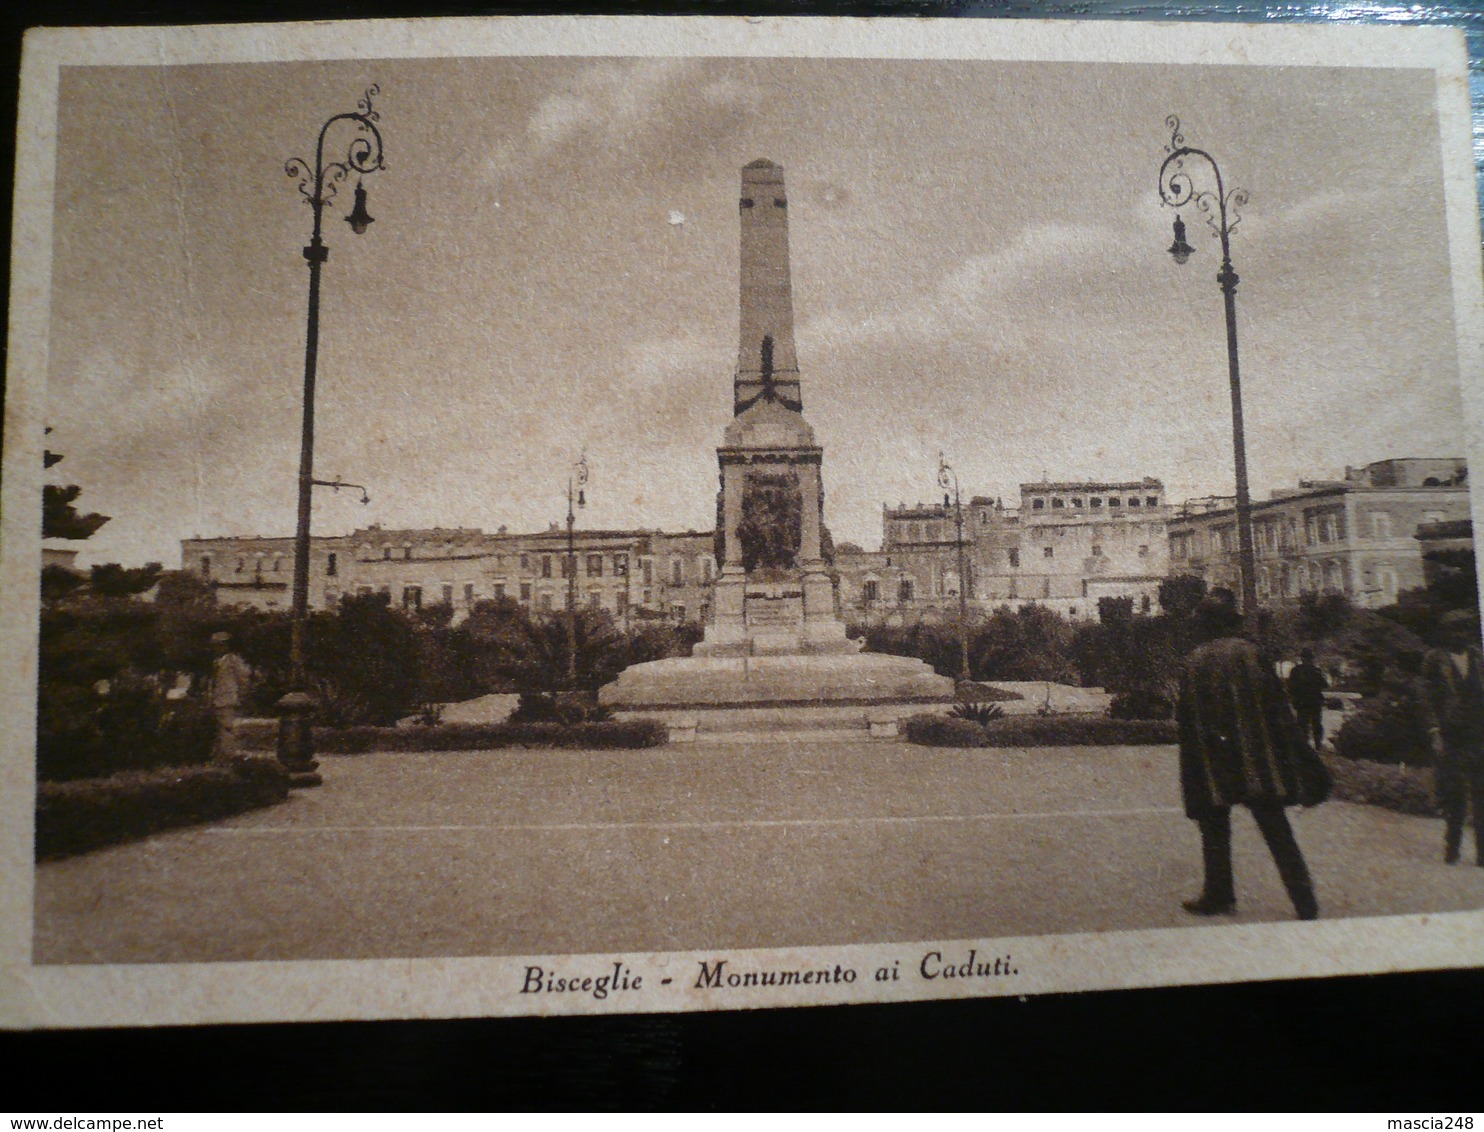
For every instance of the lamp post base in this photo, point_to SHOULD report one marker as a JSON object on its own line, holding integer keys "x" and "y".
{"x": 296, "y": 739}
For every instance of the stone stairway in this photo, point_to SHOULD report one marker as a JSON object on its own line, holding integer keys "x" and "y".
{"x": 782, "y": 724}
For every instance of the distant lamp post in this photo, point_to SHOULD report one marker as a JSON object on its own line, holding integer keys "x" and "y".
{"x": 318, "y": 183}
{"x": 1177, "y": 189}
{"x": 576, "y": 482}
{"x": 948, "y": 478}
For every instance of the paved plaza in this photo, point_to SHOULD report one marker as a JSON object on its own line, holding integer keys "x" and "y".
{"x": 690, "y": 847}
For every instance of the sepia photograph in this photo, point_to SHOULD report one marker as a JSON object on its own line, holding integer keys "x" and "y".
{"x": 551, "y": 516}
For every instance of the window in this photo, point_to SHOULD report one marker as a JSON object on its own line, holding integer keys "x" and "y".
{"x": 546, "y": 565}
{"x": 1057, "y": 502}
{"x": 706, "y": 570}
{"x": 1048, "y": 552}
{"x": 1144, "y": 550}
{"x": 1077, "y": 501}
{"x": 469, "y": 592}
{"x": 984, "y": 518}
{"x": 871, "y": 590}
{"x": 332, "y": 565}
{"x": 386, "y": 552}
{"x": 620, "y": 565}
{"x": 525, "y": 593}
{"x": 277, "y": 564}
{"x": 241, "y": 565}
{"x": 407, "y": 552}
{"x": 677, "y": 572}
{"x": 1114, "y": 501}
{"x": 568, "y": 565}
{"x": 648, "y": 573}
{"x": 1014, "y": 555}
{"x": 332, "y": 596}
{"x": 1038, "y": 504}
{"x": 595, "y": 600}
{"x": 677, "y": 612}
{"x": 448, "y": 595}
{"x": 1145, "y": 604}
{"x": 1133, "y": 501}
{"x": 1380, "y": 524}
{"x": 904, "y": 590}
{"x": 594, "y": 565}
{"x": 205, "y": 565}
{"x": 1151, "y": 501}
{"x": 546, "y": 602}
{"x": 1096, "y": 502}
{"x": 621, "y": 602}
{"x": 412, "y": 597}
{"x": 1097, "y": 551}
{"x": 525, "y": 562}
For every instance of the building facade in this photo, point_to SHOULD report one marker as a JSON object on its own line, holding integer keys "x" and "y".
{"x": 634, "y": 575}
{"x": 1067, "y": 545}
{"x": 1357, "y": 536}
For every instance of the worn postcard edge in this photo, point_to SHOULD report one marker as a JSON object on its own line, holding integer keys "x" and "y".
{"x": 119, "y": 995}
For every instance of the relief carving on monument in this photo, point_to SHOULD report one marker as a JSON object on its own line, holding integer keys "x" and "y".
{"x": 772, "y": 523}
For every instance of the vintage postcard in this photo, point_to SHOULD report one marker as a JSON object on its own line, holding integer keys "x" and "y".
{"x": 579, "y": 515}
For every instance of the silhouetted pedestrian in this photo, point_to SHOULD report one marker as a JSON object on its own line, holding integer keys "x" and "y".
{"x": 1306, "y": 688}
{"x": 1453, "y": 707}
{"x": 1240, "y": 745}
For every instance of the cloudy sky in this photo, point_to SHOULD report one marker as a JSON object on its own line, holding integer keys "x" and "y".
{"x": 978, "y": 260}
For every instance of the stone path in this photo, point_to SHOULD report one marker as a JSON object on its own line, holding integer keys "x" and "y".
{"x": 679, "y": 848}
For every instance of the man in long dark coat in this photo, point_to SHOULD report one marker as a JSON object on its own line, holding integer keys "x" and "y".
{"x": 1240, "y": 745}
{"x": 1453, "y": 710}
{"x": 1306, "y": 688}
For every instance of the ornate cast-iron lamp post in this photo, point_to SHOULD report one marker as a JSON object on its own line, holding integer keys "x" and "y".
{"x": 947, "y": 478}
{"x": 1176, "y": 189}
{"x": 318, "y": 183}
{"x": 577, "y": 482}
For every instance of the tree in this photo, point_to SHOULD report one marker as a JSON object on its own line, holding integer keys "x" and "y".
{"x": 112, "y": 580}
{"x": 1178, "y": 596}
{"x": 59, "y": 518}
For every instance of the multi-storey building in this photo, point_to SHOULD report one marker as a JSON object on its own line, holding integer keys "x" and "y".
{"x": 632, "y": 574}
{"x": 1357, "y": 536}
{"x": 1066, "y": 546}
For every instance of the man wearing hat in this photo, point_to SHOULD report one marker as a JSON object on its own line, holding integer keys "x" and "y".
{"x": 1453, "y": 711}
{"x": 1240, "y": 745}
{"x": 230, "y": 676}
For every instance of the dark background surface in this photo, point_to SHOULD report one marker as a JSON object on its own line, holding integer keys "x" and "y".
{"x": 1411, "y": 1043}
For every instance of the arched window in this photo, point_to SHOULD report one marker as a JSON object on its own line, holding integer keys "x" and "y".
{"x": 904, "y": 590}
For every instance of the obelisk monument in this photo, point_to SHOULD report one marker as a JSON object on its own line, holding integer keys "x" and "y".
{"x": 774, "y": 639}
{"x": 774, "y": 594}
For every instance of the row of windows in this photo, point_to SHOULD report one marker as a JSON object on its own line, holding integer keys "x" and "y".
{"x": 1093, "y": 502}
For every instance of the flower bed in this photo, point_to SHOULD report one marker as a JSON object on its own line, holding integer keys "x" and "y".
{"x": 86, "y": 814}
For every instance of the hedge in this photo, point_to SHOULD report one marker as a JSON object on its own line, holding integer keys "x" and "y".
{"x": 627, "y": 734}
{"x": 942, "y": 731}
{"x": 1077, "y": 731}
{"x": 1405, "y": 789}
{"x": 1038, "y": 731}
{"x": 86, "y": 814}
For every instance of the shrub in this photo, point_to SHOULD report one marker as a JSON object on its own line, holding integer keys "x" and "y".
{"x": 980, "y": 713}
{"x": 1406, "y": 789}
{"x": 1077, "y": 731}
{"x": 1385, "y": 728}
{"x": 627, "y": 734}
{"x": 1141, "y": 703}
{"x": 75, "y": 817}
{"x": 942, "y": 731}
{"x": 81, "y": 734}
{"x": 559, "y": 707}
